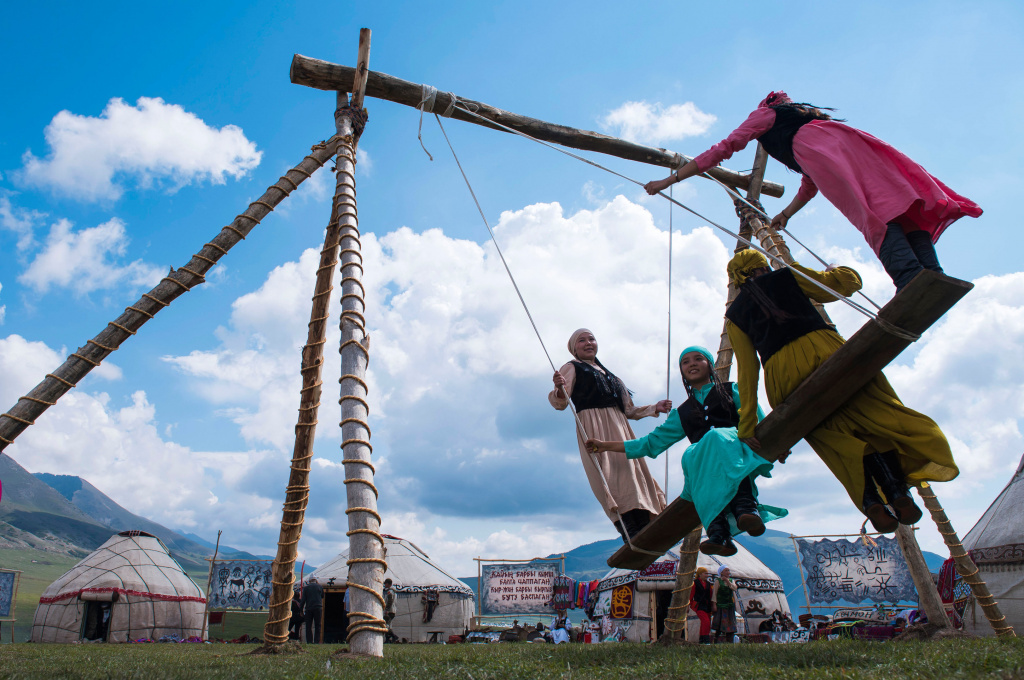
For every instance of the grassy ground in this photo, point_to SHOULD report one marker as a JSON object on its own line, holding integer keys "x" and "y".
{"x": 846, "y": 660}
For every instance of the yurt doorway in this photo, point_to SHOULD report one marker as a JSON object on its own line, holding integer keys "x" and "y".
{"x": 96, "y": 622}
{"x": 335, "y": 621}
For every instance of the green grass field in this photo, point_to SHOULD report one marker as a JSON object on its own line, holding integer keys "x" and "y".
{"x": 843, "y": 660}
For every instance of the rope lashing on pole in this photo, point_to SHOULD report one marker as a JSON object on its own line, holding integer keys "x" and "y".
{"x": 885, "y": 325}
{"x": 572, "y": 408}
{"x": 176, "y": 283}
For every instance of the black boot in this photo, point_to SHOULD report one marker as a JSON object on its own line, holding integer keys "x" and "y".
{"x": 886, "y": 469}
{"x": 897, "y": 256}
{"x": 744, "y": 509}
{"x": 873, "y": 506}
{"x": 622, "y": 532}
{"x": 635, "y": 521}
{"x": 719, "y": 539}
{"x": 921, "y": 243}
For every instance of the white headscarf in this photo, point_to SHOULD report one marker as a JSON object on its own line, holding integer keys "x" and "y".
{"x": 574, "y": 337}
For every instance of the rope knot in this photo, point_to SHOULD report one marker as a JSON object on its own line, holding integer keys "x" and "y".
{"x": 357, "y": 117}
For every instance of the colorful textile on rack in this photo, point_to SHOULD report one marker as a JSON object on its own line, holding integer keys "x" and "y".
{"x": 564, "y": 593}
{"x": 947, "y": 576}
{"x": 954, "y": 591}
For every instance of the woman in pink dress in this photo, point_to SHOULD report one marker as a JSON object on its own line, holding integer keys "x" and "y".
{"x": 899, "y": 208}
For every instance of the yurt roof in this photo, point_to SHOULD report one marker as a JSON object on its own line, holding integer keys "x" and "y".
{"x": 130, "y": 562}
{"x": 742, "y": 565}
{"x": 1001, "y": 524}
{"x": 408, "y": 567}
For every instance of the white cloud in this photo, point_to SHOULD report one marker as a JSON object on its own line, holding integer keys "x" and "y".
{"x": 87, "y": 260}
{"x": 91, "y": 158}
{"x": 3, "y": 308}
{"x": 22, "y": 222}
{"x": 364, "y": 164}
{"x": 648, "y": 123}
{"x": 471, "y": 460}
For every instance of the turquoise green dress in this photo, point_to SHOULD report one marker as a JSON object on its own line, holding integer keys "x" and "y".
{"x": 712, "y": 467}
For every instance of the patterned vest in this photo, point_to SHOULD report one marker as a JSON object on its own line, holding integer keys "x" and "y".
{"x": 594, "y": 389}
{"x": 778, "y": 141}
{"x": 698, "y": 419}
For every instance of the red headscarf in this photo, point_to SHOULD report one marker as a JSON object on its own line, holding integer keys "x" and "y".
{"x": 774, "y": 99}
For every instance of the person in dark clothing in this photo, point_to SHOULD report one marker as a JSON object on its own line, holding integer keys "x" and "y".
{"x": 295, "y": 624}
{"x": 313, "y": 605}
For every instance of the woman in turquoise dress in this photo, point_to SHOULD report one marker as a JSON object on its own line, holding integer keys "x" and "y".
{"x": 719, "y": 471}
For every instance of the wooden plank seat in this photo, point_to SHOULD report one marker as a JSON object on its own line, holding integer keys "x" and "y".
{"x": 872, "y": 348}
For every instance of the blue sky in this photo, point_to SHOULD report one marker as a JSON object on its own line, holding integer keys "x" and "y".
{"x": 190, "y": 423}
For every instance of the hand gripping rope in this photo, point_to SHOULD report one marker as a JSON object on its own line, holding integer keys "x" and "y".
{"x": 575, "y": 415}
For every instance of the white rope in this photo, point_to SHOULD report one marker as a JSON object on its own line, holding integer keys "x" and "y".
{"x": 575, "y": 415}
{"x": 428, "y": 95}
{"x": 668, "y": 341}
{"x": 885, "y": 325}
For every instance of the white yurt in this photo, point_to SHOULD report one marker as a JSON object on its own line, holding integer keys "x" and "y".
{"x": 996, "y": 543}
{"x": 649, "y": 592}
{"x": 128, "y": 588}
{"x": 430, "y": 603}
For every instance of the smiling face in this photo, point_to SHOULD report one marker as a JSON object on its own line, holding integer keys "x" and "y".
{"x": 725, "y": 573}
{"x": 695, "y": 369}
{"x": 586, "y": 347}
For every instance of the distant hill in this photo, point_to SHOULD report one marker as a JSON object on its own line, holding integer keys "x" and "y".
{"x": 67, "y": 515}
{"x": 774, "y": 548}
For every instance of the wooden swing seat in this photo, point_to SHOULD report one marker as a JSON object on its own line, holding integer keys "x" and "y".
{"x": 914, "y": 309}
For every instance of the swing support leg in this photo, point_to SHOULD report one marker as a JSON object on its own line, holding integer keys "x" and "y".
{"x": 679, "y": 608}
{"x": 965, "y": 566}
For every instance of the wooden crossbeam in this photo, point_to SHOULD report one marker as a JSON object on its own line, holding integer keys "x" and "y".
{"x": 323, "y": 75}
{"x": 840, "y": 377}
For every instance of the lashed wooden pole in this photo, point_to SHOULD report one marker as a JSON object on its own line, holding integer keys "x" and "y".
{"x": 275, "y": 631}
{"x": 324, "y": 75}
{"x": 366, "y": 563}
{"x": 965, "y": 566}
{"x": 67, "y": 375}
{"x": 927, "y": 594}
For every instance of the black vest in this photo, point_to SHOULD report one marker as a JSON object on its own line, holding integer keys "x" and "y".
{"x": 594, "y": 389}
{"x": 778, "y": 141}
{"x": 698, "y": 419}
{"x": 769, "y": 335}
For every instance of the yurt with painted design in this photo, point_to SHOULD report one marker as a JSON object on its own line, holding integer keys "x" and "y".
{"x": 430, "y": 603}
{"x": 128, "y": 588}
{"x": 632, "y": 605}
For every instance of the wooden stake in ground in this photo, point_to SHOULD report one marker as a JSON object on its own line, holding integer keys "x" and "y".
{"x": 927, "y": 594}
{"x": 965, "y": 566}
{"x": 177, "y": 282}
{"x": 209, "y": 585}
{"x": 366, "y": 563}
{"x": 679, "y": 607}
{"x": 275, "y": 631}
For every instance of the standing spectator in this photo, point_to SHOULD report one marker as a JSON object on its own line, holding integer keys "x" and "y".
{"x": 700, "y": 603}
{"x": 313, "y": 605}
{"x": 723, "y": 602}
{"x": 389, "y": 609}
{"x": 295, "y": 623}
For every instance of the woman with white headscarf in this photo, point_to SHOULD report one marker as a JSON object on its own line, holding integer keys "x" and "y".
{"x": 604, "y": 404}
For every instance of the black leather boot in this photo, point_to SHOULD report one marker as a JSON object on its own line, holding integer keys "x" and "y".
{"x": 635, "y": 521}
{"x": 744, "y": 509}
{"x": 719, "y": 539}
{"x": 885, "y": 468}
{"x": 873, "y": 506}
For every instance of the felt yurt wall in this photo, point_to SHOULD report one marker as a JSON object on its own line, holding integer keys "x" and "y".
{"x": 760, "y": 590}
{"x": 415, "y": 577}
{"x": 128, "y": 588}
{"x": 996, "y": 543}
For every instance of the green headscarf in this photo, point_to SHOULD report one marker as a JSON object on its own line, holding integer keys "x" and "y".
{"x": 703, "y": 351}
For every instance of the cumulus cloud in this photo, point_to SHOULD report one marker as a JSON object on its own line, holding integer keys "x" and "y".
{"x": 3, "y": 308}
{"x": 93, "y": 158}
{"x": 655, "y": 123}
{"x": 22, "y": 222}
{"x": 87, "y": 260}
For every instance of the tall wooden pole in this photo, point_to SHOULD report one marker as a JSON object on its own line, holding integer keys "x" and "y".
{"x": 366, "y": 563}
{"x": 209, "y": 584}
{"x": 965, "y": 566}
{"x": 679, "y": 607}
{"x": 275, "y": 631}
{"x": 927, "y": 594}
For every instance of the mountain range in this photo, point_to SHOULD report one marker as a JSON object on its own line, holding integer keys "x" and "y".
{"x": 67, "y": 515}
